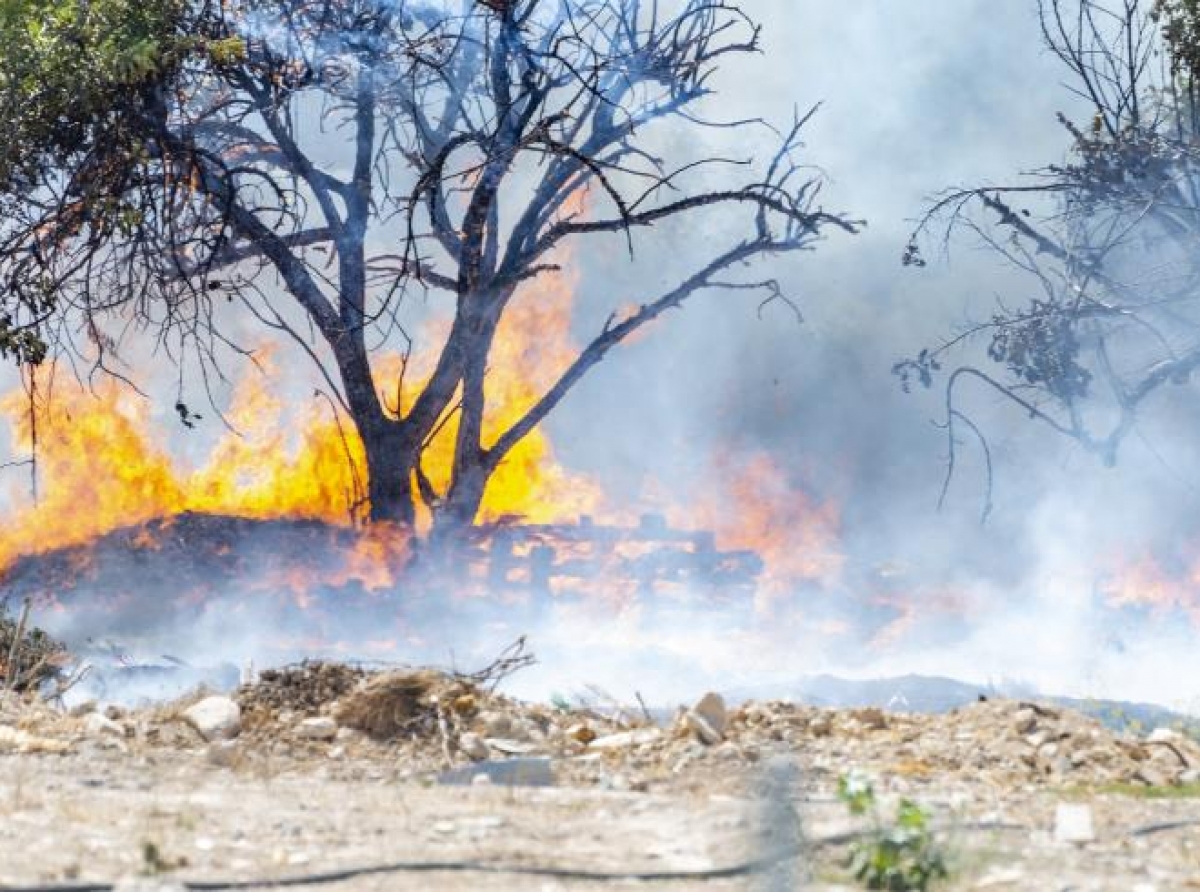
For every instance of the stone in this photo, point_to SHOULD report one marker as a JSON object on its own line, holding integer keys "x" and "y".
{"x": 872, "y": 718}
{"x": 636, "y": 737}
{"x": 711, "y": 708}
{"x": 1151, "y": 776}
{"x": 618, "y": 783}
{"x": 215, "y": 718}
{"x": 821, "y": 726}
{"x": 96, "y": 724}
{"x": 1037, "y": 738}
{"x": 1024, "y": 720}
{"x": 495, "y": 724}
{"x": 79, "y": 710}
{"x": 699, "y": 726}
{"x": 473, "y": 747}
{"x": 1164, "y": 735}
{"x": 317, "y": 728}
{"x": 581, "y": 732}
{"x": 728, "y": 751}
{"x": 1002, "y": 878}
{"x": 511, "y": 747}
{"x": 1073, "y": 823}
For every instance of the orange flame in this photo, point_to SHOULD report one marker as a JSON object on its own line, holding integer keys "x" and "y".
{"x": 752, "y": 504}
{"x": 101, "y": 467}
{"x": 1145, "y": 583}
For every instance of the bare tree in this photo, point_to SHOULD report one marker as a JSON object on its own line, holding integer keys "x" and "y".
{"x": 466, "y": 131}
{"x": 1109, "y": 240}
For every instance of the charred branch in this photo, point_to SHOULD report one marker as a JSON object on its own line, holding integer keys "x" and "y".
{"x": 1110, "y": 239}
{"x": 478, "y": 145}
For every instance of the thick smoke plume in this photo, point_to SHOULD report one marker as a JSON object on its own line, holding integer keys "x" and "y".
{"x": 912, "y": 103}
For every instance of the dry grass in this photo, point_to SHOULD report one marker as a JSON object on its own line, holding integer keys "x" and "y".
{"x": 394, "y": 703}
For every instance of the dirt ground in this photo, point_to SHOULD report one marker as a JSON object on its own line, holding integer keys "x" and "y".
{"x": 719, "y": 799}
{"x": 94, "y": 816}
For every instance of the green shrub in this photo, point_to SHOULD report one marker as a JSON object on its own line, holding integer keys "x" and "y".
{"x": 900, "y": 855}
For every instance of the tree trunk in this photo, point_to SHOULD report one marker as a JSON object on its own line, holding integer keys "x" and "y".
{"x": 462, "y": 503}
{"x": 390, "y": 468}
{"x": 387, "y": 442}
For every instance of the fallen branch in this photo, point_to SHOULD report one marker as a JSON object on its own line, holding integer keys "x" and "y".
{"x": 512, "y": 659}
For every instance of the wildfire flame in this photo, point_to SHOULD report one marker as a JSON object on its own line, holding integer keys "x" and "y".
{"x": 101, "y": 465}
{"x": 1145, "y": 583}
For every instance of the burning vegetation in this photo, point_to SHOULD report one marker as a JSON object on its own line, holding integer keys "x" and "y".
{"x": 352, "y": 240}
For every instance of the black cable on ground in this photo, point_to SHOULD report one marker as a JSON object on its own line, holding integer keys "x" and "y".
{"x": 1150, "y": 829}
{"x": 340, "y": 876}
{"x": 745, "y": 868}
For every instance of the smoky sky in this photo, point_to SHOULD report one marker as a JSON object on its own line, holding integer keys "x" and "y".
{"x": 915, "y": 98}
{"x": 911, "y": 104}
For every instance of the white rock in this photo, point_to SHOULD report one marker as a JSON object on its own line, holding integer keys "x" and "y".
{"x": 1037, "y": 738}
{"x": 618, "y": 783}
{"x": 216, "y": 718}
{"x": 473, "y": 747}
{"x": 1025, "y": 720}
{"x": 317, "y": 728}
{"x": 511, "y": 747}
{"x": 1164, "y": 735}
{"x": 1073, "y": 823}
{"x": 626, "y": 738}
{"x": 699, "y": 726}
{"x": 1002, "y": 877}
{"x": 97, "y": 724}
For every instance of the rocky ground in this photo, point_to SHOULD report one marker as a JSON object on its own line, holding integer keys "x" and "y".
{"x": 324, "y": 768}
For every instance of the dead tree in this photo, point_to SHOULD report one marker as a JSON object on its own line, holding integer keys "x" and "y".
{"x": 1109, "y": 240}
{"x": 462, "y": 135}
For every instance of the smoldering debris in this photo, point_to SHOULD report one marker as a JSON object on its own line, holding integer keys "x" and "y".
{"x": 29, "y": 657}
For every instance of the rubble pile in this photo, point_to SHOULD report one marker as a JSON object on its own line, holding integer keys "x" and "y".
{"x": 308, "y": 689}
{"x": 1001, "y": 743}
{"x": 436, "y": 724}
{"x": 442, "y": 721}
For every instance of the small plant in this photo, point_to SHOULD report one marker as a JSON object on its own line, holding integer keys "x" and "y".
{"x": 898, "y": 856}
{"x": 154, "y": 863}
